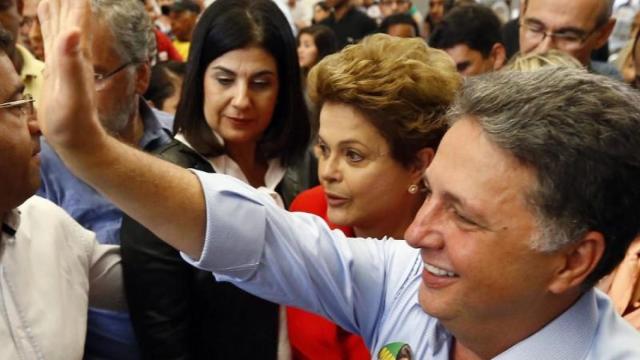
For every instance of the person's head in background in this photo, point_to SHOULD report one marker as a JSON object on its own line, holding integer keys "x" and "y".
{"x": 314, "y": 43}
{"x": 29, "y": 15}
{"x": 321, "y": 11}
{"x": 122, "y": 45}
{"x": 392, "y": 7}
{"x": 165, "y": 86}
{"x": 427, "y": 27}
{"x": 183, "y": 15}
{"x": 400, "y": 25}
{"x": 243, "y": 84}
{"x": 379, "y": 128}
{"x": 533, "y": 62}
{"x": 10, "y": 19}
{"x": 19, "y": 136}
{"x": 436, "y": 10}
{"x": 472, "y": 36}
{"x": 576, "y": 27}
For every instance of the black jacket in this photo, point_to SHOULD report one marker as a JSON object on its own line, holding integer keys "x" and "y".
{"x": 180, "y": 312}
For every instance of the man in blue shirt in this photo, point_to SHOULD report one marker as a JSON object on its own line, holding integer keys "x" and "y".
{"x": 531, "y": 201}
{"x": 122, "y": 45}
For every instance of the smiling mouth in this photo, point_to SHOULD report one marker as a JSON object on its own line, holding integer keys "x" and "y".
{"x": 434, "y": 270}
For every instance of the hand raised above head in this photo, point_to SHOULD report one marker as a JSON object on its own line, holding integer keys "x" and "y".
{"x": 68, "y": 117}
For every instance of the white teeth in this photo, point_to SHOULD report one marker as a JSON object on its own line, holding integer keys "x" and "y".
{"x": 439, "y": 272}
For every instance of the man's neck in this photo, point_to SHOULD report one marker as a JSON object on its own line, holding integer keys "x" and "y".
{"x": 133, "y": 132}
{"x": 490, "y": 338}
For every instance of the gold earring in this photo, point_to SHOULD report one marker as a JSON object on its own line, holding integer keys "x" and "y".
{"x": 413, "y": 189}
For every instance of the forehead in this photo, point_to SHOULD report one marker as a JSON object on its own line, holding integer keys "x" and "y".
{"x": 340, "y": 121}
{"x": 559, "y": 14}
{"x": 9, "y": 78}
{"x": 471, "y": 167}
{"x": 249, "y": 60}
{"x": 462, "y": 52}
{"x": 103, "y": 44}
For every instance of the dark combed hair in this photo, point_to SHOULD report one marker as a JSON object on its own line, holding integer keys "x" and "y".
{"x": 228, "y": 25}
{"x": 580, "y": 133}
{"x": 323, "y": 37}
{"x": 474, "y": 25}
{"x": 396, "y": 19}
{"x": 161, "y": 86}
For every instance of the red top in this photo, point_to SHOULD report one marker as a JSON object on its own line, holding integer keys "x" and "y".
{"x": 166, "y": 50}
{"x": 312, "y": 336}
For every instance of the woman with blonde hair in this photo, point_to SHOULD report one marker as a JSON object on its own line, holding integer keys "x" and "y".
{"x": 381, "y": 105}
{"x": 532, "y": 62}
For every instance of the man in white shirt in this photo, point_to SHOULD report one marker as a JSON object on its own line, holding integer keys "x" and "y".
{"x": 51, "y": 268}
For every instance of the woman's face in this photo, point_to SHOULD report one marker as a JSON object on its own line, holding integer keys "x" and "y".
{"x": 319, "y": 14}
{"x": 366, "y": 187}
{"x": 307, "y": 51}
{"x": 240, "y": 93}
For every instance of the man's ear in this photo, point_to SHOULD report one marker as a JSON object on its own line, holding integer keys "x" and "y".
{"x": 578, "y": 261}
{"x": 604, "y": 33}
{"x": 423, "y": 159}
{"x": 499, "y": 56}
{"x": 143, "y": 77}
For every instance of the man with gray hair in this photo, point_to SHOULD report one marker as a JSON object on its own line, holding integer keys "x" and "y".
{"x": 533, "y": 197}
{"x": 123, "y": 43}
{"x": 577, "y": 27}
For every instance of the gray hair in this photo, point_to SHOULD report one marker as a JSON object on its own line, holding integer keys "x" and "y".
{"x": 131, "y": 27}
{"x": 580, "y": 133}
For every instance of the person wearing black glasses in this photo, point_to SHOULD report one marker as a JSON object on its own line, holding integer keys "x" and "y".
{"x": 576, "y": 27}
{"x": 51, "y": 268}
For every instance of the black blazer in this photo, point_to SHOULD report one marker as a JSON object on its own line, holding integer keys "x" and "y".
{"x": 180, "y": 312}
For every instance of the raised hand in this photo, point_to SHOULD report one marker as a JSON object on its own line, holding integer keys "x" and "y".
{"x": 67, "y": 117}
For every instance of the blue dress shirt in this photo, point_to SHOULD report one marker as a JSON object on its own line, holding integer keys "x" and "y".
{"x": 370, "y": 287}
{"x": 109, "y": 334}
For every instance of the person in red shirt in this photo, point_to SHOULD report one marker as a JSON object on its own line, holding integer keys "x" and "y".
{"x": 378, "y": 130}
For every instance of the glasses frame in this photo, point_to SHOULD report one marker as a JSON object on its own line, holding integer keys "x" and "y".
{"x": 102, "y": 77}
{"x": 28, "y": 100}
{"x": 543, "y": 33}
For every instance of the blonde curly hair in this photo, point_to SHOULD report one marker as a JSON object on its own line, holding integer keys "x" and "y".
{"x": 533, "y": 62}
{"x": 402, "y": 86}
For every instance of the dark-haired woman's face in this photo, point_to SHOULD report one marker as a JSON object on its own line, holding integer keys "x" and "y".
{"x": 240, "y": 94}
{"x": 307, "y": 51}
{"x": 319, "y": 14}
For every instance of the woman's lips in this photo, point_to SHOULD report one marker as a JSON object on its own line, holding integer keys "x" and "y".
{"x": 335, "y": 200}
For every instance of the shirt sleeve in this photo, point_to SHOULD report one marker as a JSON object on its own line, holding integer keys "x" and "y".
{"x": 291, "y": 258}
{"x": 106, "y": 290}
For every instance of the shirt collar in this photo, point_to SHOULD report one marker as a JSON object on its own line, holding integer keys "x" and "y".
{"x": 567, "y": 337}
{"x": 154, "y": 130}
{"x": 10, "y": 225}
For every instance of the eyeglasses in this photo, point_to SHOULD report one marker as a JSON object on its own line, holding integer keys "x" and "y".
{"x": 25, "y": 106}
{"x": 101, "y": 79}
{"x": 566, "y": 39}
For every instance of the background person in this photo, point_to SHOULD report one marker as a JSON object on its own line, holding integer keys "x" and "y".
{"x": 400, "y": 25}
{"x": 471, "y": 35}
{"x": 314, "y": 43}
{"x": 241, "y": 113}
{"x": 372, "y": 149}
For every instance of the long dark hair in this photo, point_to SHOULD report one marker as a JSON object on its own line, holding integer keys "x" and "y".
{"x": 228, "y": 25}
{"x": 324, "y": 39}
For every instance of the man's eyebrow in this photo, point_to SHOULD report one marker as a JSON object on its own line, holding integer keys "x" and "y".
{"x": 456, "y": 200}
{"x": 18, "y": 89}
{"x": 560, "y": 30}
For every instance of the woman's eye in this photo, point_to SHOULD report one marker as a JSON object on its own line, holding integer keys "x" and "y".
{"x": 261, "y": 84}
{"x": 464, "y": 220}
{"x": 321, "y": 150}
{"x": 224, "y": 81}
{"x": 353, "y": 156}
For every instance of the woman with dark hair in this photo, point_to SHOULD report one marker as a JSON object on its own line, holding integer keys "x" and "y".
{"x": 314, "y": 43}
{"x": 241, "y": 113}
